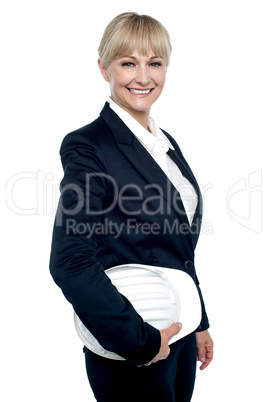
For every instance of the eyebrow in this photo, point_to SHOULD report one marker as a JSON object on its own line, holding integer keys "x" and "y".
{"x": 135, "y": 58}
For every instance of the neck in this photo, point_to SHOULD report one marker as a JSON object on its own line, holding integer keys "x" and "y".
{"x": 141, "y": 116}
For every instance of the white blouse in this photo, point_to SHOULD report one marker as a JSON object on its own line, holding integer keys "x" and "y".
{"x": 157, "y": 144}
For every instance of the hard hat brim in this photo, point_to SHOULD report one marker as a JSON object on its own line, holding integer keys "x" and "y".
{"x": 160, "y": 295}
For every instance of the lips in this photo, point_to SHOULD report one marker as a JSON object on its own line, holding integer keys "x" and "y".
{"x": 140, "y": 91}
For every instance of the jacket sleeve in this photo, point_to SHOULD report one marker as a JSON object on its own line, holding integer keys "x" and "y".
{"x": 204, "y": 324}
{"x": 107, "y": 314}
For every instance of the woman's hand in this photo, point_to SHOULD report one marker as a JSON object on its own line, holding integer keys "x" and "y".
{"x": 166, "y": 335}
{"x": 204, "y": 348}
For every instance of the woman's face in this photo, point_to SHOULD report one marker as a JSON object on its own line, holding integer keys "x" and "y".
{"x": 136, "y": 82}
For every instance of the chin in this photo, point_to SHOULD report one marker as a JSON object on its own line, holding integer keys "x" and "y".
{"x": 142, "y": 108}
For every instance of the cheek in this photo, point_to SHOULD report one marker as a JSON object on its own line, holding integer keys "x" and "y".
{"x": 119, "y": 82}
{"x": 114, "y": 85}
{"x": 124, "y": 79}
{"x": 160, "y": 78}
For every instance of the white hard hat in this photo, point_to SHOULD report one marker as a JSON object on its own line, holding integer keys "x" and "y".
{"x": 160, "y": 295}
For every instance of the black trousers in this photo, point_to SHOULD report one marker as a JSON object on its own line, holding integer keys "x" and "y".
{"x": 169, "y": 380}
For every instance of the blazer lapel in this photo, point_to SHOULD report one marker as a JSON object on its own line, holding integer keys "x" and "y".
{"x": 144, "y": 163}
{"x": 178, "y": 158}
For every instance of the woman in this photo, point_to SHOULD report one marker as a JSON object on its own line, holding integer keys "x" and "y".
{"x": 128, "y": 196}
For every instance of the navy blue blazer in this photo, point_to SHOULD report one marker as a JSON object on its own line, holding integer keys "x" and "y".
{"x": 116, "y": 207}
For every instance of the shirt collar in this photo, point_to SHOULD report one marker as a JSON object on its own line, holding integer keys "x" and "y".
{"x": 148, "y": 139}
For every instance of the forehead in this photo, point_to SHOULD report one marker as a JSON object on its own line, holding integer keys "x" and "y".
{"x": 136, "y": 54}
{"x": 143, "y": 54}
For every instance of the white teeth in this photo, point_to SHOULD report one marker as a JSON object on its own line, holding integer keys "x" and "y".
{"x": 140, "y": 91}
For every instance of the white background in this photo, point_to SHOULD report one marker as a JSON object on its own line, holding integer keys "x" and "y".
{"x": 214, "y": 104}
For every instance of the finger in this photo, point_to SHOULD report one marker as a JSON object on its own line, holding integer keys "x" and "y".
{"x": 174, "y": 329}
{"x": 205, "y": 365}
{"x": 152, "y": 361}
{"x": 208, "y": 358}
{"x": 164, "y": 354}
{"x": 201, "y": 353}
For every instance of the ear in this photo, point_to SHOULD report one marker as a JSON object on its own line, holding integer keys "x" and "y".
{"x": 103, "y": 69}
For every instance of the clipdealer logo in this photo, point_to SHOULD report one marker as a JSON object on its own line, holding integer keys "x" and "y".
{"x": 37, "y": 193}
{"x": 244, "y": 201}
{"x": 30, "y": 193}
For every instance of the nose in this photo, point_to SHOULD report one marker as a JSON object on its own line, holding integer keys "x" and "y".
{"x": 142, "y": 76}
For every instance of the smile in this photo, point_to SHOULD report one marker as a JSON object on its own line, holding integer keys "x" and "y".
{"x": 140, "y": 91}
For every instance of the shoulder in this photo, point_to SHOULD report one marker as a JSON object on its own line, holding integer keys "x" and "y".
{"x": 87, "y": 146}
{"x": 90, "y": 134}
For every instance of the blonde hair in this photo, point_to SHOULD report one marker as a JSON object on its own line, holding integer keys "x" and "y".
{"x": 130, "y": 31}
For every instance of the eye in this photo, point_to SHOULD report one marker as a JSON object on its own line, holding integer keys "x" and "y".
{"x": 155, "y": 64}
{"x": 128, "y": 64}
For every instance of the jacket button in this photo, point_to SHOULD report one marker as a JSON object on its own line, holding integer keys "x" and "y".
{"x": 188, "y": 264}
